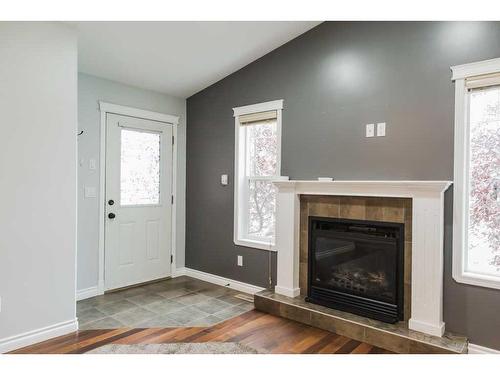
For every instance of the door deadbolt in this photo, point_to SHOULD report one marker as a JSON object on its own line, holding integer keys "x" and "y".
{"x": 111, "y": 202}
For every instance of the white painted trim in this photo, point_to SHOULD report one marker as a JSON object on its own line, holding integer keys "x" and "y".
{"x": 223, "y": 281}
{"x": 176, "y": 272}
{"x": 274, "y": 105}
{"x": 136, "y": 112}
{"x": 239, "y": 224}
{"x": 461, "y": 174}
{"x": 475, "y": 69}
{"x": 427, "y": 238}
{"x": 289, "y": 292}
{"x": 473, "y": 278}
{"x": 88, "y": 292}
{"x": 477, "y": 349}
{"x": 371, "y": 188}
{"x": 431, "y": 329}
{"x": 147, "y": 115}
{"x": 255, "y": 244}
{"x": 173, "y": 234}
{"x": 37, "y": 335}
{"x": 102, "y": 200}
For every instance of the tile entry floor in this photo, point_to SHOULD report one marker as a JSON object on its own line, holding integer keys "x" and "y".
{"x": 178, "y": 302}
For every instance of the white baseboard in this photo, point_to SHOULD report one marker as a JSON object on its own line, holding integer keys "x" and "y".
{"x": 176, "y": 272}
{"x": 223, "y": 281}
{"x": 88, "y": 292}
{"x": 32, "y": 337}
{"x": 477, "y": 349}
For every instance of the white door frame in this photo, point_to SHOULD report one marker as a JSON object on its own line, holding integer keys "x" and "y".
{"x": 117, "y": 109}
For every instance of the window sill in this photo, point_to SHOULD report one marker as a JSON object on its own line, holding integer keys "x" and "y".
{"x": 261, "y": 245}
{"x": 477, "y": 279}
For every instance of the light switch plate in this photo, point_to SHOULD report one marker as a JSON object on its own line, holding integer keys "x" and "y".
{"x": 240, "y": 260}
{"x": 223, "y": 179}
{"x": 381, "y": 129}
{"x": 92, "y": 164}
{"x": 370, "y": 130}
{"x": 90, "y": 192}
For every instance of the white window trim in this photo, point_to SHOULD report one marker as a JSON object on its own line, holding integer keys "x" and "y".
{"x": 275, "y": 105}
{"x": 461, "y": 172}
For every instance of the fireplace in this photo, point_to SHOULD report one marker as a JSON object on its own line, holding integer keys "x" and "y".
{"x": 357, "y": 266}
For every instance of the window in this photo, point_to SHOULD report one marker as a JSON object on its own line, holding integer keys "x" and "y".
{"x": 139, "y": 168}
{"x": 476, "y": 231}
{"x": 257, "y": 164}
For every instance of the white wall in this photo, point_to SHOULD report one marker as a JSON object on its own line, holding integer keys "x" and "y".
{"x": 90, "y": 90}
{"x": 38, "y": 105}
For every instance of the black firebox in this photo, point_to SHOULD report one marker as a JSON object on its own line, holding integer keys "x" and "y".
{"x": 357, "y": 266}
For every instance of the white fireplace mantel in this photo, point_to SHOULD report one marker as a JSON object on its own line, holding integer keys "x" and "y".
{"x": 427, "y": 238}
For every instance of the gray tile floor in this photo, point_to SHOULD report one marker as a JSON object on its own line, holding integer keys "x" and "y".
{"x": 178, "y": 302}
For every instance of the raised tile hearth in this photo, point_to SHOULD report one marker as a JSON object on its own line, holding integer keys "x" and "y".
{"x": 393, "y": 337}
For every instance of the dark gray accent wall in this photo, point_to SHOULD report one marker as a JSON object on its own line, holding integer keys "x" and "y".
{"x": 334, "y": 79}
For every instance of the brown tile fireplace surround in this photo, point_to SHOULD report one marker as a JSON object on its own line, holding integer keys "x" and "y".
{"x": 398, "y": 208}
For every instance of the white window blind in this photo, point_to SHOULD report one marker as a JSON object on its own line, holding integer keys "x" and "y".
{"x": 485, "y": 80}
{"x": 256, "y": 117}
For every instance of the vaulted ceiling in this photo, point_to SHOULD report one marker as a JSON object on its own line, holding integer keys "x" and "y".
{"x": 177, "y": 58}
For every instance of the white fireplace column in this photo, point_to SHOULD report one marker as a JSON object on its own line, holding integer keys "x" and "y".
{"x": 287, "y": 238}
{"x": 427, "y": 238}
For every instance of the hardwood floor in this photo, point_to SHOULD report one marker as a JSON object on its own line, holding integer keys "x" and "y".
{"x": 263, "y": 332}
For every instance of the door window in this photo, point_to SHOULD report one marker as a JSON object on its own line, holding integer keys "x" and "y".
{"x": 139, "y": 168}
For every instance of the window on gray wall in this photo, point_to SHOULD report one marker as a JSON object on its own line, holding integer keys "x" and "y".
{"x": 258, "y": 163}
{"x": 476, "y": 242}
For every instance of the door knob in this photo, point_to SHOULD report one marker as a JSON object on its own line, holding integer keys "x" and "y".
{"x": 111, "y": 215}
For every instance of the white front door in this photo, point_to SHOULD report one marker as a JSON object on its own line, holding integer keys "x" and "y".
{"x": 138, "y": 200}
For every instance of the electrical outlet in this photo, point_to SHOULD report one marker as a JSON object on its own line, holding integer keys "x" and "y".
{"x": 223, "y": 179}
{"x": 240, "y": 260}
{"x": 381, "y": 129}
{"x": 92, "y": 164}
{"x": 370, "y": 130}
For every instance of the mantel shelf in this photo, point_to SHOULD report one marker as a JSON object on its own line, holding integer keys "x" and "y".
{"x": 373, "y": 188}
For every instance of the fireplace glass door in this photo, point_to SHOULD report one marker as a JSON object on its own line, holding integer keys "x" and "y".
{"x": 357, "y": 266}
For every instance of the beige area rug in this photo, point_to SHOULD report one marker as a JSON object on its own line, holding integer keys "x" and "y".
{"x": 176, "y": 348}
